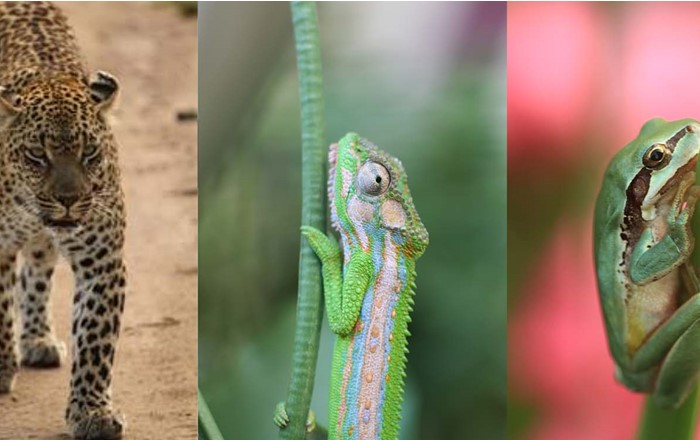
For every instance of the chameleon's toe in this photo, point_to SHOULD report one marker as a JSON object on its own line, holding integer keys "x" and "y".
{"x": 312, "y": 234}
{"x": 281, "y": 418}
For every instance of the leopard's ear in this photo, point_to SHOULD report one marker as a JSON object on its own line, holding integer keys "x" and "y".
{"x": 104, "y": 89}
{"x": 10, "y": 106}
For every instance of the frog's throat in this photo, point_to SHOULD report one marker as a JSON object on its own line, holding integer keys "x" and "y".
{"x": 640, "y": 206}
{"x": 656, "y": 188}
{"x": 681, "y": 181}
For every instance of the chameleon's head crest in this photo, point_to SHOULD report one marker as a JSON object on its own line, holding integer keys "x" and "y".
{"x": 368, "y": 193}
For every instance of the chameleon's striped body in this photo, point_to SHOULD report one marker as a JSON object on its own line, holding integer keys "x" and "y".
{"x": 369, "y": 304}
{"x": 372, "y": 358}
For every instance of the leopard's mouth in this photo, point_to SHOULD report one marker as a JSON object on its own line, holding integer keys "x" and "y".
{"x": 61, "y": 223}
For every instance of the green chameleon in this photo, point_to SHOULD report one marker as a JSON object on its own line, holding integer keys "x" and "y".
{"x": 648, "y": 288}
{"x": 368, "y": 288}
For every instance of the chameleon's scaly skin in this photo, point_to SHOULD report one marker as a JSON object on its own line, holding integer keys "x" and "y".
{"x": 368, "y": 287}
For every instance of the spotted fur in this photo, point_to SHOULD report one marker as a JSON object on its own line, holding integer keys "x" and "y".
{"x": 60, "y": 194}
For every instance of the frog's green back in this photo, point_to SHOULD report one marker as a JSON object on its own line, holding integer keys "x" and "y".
{"x": 607, "y": 244}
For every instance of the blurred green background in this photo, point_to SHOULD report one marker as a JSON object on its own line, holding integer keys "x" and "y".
{"x": 425, "y": 82}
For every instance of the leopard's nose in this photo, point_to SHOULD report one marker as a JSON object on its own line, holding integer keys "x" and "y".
{"x": 67, "y": 200}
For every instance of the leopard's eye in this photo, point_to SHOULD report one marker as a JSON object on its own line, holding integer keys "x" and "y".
{"x": 36, "y": 155}
{"x": 373, "y": 179}
{"x": 90, "y": 153}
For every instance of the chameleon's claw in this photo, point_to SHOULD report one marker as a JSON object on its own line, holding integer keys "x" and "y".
{"x": 311, "y": 421}
{"x": 281, "y": 418}
{"x": 314, "y": 235}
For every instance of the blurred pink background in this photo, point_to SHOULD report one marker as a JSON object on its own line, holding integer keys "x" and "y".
{"x": 582, "y": 80}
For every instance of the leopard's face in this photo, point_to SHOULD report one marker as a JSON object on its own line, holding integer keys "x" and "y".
{"x": 60, "y": 152}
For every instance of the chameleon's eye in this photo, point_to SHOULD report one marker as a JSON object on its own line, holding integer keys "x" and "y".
{"x": 373, "y": 179}
{"x": 656, "y": 156}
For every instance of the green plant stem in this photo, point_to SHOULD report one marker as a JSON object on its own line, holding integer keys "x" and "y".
{"x": 206, "y": 420}
{"x": 676, "y": 424}
{"x": 313, "y": 213}
{"x": 680, "y": 424}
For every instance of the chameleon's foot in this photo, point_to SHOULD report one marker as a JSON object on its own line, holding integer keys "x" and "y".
{"x": 281, "y": 418}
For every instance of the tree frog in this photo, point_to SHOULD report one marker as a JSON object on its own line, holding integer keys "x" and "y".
{"x": 642, "y": 243}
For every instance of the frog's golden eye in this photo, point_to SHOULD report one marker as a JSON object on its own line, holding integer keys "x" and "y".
{"x": 373, "y": 178}
{"x": 657, "y": 156}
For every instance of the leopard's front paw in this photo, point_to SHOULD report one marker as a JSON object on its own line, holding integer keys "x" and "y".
{"x": 98, "y": 425}
{"x": 44, "y": 352}
{"x": 7, "y": 380}
{"x": 8, "y": 371}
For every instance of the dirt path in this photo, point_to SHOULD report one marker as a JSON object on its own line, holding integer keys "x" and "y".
{"x": 152, "y": 49}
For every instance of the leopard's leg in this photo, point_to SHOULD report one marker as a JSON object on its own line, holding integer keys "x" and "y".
{"x": 38, "y": 344}
{"x": 95, "y": 255}
{"x": 9, "y": 359}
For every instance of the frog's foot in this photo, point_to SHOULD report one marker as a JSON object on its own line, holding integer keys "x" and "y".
{"x": 281, "y": 418}
{"x": 694, "y": 191}
{"x": 687, "y": 194}
{"x": 44, "y": 352}
{"x": 679, "y": 371}
{"x": 691, "y": 198}
{"x": 638, "y": 382}
{"x": 681, "y": 211}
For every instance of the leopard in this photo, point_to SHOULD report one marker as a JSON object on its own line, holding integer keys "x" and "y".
{"x": 60, "y": 197}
